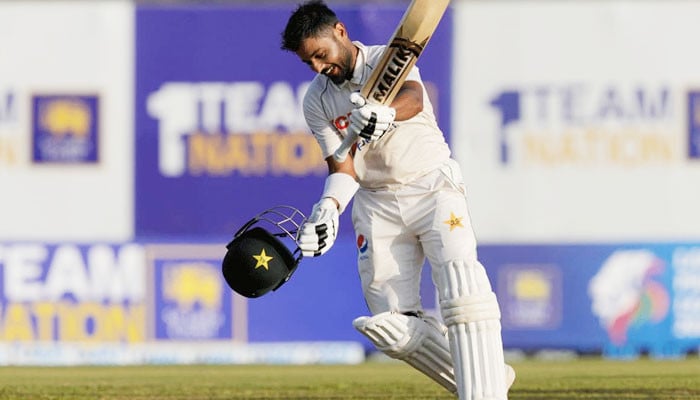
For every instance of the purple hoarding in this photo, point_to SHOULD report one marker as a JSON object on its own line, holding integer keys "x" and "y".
{"x": 219, "y": 131}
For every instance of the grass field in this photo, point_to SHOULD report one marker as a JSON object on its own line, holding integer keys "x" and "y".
{"x": 541, "y": 380}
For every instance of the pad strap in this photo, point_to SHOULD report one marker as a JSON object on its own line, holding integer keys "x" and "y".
{"x": 467, "y": 309}
{"x": 342, "y": 187}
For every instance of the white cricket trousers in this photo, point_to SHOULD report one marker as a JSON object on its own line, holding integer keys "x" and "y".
{"x": 397, "y": 229}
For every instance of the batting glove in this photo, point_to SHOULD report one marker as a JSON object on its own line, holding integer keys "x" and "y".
{"x": 370, "y": 121}
{"x": 319, "y": 231}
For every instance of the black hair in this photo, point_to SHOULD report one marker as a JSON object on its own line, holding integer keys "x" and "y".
{"x": 308, "y": 20}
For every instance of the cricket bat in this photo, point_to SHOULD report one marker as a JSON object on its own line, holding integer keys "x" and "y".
{"x": 410, "y": 38}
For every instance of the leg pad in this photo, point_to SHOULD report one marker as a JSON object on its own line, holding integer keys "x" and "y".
{"x": 470, "y": 310}
{"x": 419, "y": 341}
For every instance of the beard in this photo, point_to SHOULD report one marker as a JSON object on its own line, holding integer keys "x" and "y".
{"x": 345, "y": 67}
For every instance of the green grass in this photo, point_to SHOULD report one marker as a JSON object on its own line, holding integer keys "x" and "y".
{"x": 581, "y": 379}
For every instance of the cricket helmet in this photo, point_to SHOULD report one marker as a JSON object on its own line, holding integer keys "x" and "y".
{"x": 259, "y": 258}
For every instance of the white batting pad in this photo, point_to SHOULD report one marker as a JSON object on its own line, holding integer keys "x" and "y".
{"x": 470, "y": 310}
{"x": 420, "y": 342}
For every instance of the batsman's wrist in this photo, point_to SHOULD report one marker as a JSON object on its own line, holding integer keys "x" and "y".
{"x": 341, "y": 187}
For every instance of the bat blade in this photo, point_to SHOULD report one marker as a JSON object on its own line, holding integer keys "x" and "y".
{"x": 406, "y": 45}
{"x": 403, "y": 50}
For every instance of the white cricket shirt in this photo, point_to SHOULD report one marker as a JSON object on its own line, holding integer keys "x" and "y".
{"x": 416, "y": 147}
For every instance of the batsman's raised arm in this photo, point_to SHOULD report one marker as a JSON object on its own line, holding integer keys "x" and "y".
{"x": 409, "y": 101}
{"x": 370, "y": 121}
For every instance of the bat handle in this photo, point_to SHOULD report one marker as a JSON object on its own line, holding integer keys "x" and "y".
{"x": 342, "y": 152}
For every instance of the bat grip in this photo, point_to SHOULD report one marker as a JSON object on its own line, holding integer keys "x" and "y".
{"x": 342, "y": 152}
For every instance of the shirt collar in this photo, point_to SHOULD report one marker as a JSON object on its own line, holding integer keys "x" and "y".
{"x": 359, "y": 71}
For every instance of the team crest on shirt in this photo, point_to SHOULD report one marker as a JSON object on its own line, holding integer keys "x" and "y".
{"x": 454, "y": 221}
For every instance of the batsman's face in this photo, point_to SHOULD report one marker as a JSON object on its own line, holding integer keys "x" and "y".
{"x": 331, "y": 54}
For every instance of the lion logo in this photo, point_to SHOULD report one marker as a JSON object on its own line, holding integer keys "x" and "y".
{"x": 65, "y": 117}
{"x": 189, "y": 284}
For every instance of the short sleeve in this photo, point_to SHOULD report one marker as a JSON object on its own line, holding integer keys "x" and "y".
{"x": 321, "y": 125}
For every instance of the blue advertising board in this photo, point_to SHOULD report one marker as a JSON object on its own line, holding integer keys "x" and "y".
{"x": 623, "y": 300}
{"x": 191, "y": 301}
{"x": 220, "y": 135}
